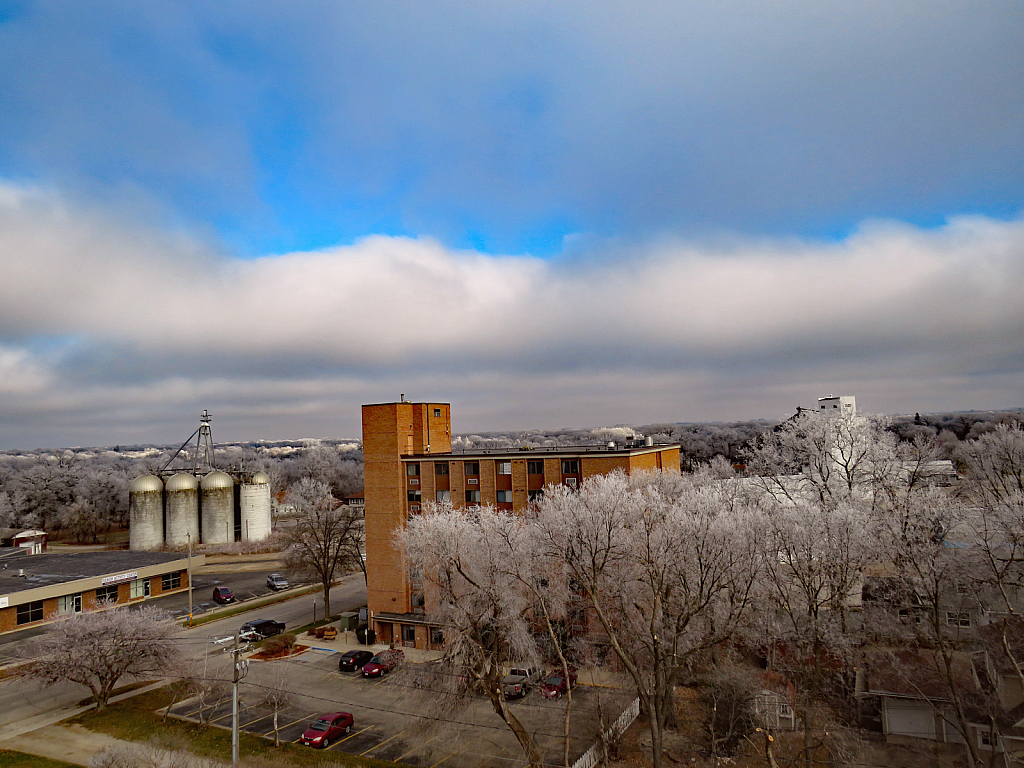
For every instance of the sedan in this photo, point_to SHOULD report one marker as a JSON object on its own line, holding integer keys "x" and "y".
{"x": 353, "y": 661}
{"x": 327, "y": 729}
{"x": 556, "y": 684}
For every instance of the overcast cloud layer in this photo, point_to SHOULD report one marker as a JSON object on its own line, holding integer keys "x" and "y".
{"x": 548, "y": 214}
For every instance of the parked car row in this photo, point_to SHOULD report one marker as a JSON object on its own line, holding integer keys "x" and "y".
{"x": 224, "y": 595}
{"x": 518, "y": 682}
{"x": 369, "y": 664}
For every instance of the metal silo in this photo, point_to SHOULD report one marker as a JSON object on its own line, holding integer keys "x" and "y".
{"x": 217, "y": 507}
{"x": 182, "y": 498}
{"x": 146, "y": 513}
{"x": 254, "y": 500}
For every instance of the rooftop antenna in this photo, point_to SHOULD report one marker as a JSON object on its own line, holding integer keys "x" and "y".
{"x": 203, "y": 456}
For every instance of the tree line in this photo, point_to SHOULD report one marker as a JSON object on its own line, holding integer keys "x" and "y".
{"x": 842, "y": 548}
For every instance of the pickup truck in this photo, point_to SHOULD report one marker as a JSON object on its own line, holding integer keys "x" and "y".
{"x": 259, "y": 629}
{"x": 518, "y": 681}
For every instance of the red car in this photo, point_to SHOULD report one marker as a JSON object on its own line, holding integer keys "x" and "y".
{"x": 327, "y": 729}
{"x": 555, "y": 684}
{"x": 384, "y": 662}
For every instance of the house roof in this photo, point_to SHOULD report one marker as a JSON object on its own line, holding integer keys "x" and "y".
{"x": 913, "y": 673}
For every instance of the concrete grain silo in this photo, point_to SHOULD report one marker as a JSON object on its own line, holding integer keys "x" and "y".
{"x": 254, "y": 500}
{"x": 181, "y": 494}
{"x": 146, "y": 513}
{"x": 217, "y": 508}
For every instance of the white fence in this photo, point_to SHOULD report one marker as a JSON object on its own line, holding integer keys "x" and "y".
{"x": 593, "y": 756}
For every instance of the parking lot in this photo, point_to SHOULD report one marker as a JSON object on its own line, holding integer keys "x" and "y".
{"x": 391, "y": 720}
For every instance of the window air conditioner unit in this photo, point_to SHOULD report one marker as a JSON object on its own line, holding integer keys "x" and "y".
{"x": 472, "y": 481}
{"x": 571, "y": 482}
{"x": 414, "y": 507}
{"x": 414, "y": 481}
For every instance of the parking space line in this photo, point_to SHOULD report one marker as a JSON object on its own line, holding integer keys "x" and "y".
{"x": 450, "y": 754}
{"x": 381, "y": 744}
{"x": 414, "y": 749}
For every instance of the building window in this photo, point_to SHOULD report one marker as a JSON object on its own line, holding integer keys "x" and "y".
{"x": 412, "y": 470}
{"x": 570, "y": 467}
{"x": 415, "y": 496}
{"x": 536, "y": 495}
{"x": 30, "y": 612}
{"x": 69, "y": 603}
{"x": 985, "y": 737}
{"x": 504, "y": 467}
{"x": 504, "y": 497}
{"x": 958, "y": 619}
{"x": 535, "y": 467}
{"x": 441, "y": 468}
{"x": 140, "y": 588}
{"x": 409, "y": 634}
{"x": 437, "y": 413}
{"x": 472, "y": 497}
{"x": 171, "y": 581}
{"x": 436, "y": 637}
{"x": 472, "y": 467}
{"x": 106, "y": 595}
{"x": 443, "y": 497}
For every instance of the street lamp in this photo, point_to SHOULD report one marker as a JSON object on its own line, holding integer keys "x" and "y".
{"x": 189, "y": 535}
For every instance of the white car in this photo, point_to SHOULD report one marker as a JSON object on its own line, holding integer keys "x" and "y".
{"x": 276, "y": 582}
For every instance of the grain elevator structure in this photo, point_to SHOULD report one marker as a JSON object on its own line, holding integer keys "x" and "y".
{"x": 198, "y": 504}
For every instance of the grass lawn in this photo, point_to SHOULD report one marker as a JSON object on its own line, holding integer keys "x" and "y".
{"x": 135, "y": 719}
{"x": 10, "y": 759}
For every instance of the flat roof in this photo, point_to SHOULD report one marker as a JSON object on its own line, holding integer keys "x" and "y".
{"x": 56, "y": 568}
{"x": 560, "y": 450}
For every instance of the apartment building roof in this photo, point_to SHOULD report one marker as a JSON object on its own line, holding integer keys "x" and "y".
{"x": 527, "y": 452}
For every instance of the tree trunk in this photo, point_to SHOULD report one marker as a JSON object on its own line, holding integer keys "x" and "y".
{"x": 277, "y": 733}
{"x": 525, "y": 740}
{"x": 327, "y": 599}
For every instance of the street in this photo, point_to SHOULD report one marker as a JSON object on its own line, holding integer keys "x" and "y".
{"x": 20, "y": 700}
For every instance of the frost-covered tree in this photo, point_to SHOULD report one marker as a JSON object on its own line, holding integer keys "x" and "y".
{"x": 99, "y": 649}
{"x": 468, "y": 559}
{"x": 326, "y": 536}
{"x": 828, "y": 462}
{"x": 667, "y": 565}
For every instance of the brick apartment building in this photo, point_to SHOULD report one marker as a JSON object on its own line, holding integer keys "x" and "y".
{"x": 408, "y": 460}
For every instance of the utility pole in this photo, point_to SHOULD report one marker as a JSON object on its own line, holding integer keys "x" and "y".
{"x": 189, "y": 534}
{"x": 240, "y": 668}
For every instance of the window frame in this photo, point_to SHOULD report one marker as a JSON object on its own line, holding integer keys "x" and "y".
{"x": 532, "y": 465}
{"x": 570, "y": 466}
{"x": 412, "y": 469}
{"x": 170, "y": 581}
{"x": 441, "y": 469}
{"x": 475, "y": 466}
{"x": 472, "y": 497}
{"x": 28, "y": 613}
{"x": 108, "y": 595}
{"x": 75, "y": 601}
{"x": 503, "y": 467}
{"x": 503, "y": 496}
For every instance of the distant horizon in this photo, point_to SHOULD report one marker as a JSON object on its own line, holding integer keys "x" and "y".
{"x": 485, "y": 433}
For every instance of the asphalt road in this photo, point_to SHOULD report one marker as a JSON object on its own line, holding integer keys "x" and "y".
{"x": 20, "y": 700}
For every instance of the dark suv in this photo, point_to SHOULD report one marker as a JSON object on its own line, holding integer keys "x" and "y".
{"x": 259, "y": 629}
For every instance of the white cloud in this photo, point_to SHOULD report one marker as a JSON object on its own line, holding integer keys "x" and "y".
{"x": 674, "y": 323}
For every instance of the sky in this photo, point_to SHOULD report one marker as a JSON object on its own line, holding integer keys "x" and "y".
{"x": 572, "y": 214}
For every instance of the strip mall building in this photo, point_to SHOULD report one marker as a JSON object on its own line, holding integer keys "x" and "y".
{"x": 35, "y": 589}
{"x": 408, "y": 459}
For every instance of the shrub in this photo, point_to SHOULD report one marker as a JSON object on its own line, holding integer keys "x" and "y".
{"x": 279, "y": 643}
